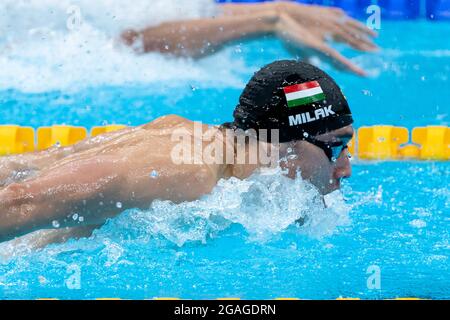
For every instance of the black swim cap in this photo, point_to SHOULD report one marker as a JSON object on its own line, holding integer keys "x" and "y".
{"x": 295, "y": 97}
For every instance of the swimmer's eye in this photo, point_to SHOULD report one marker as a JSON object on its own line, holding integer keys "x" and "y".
{"x": 349, "y": 156}
{"x": 336, "y": 149}
{"x": 332, "y": 149}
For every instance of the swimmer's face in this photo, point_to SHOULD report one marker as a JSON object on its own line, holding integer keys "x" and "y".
{"x": 315, "y": 165}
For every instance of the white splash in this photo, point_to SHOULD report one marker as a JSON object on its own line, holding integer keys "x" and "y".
{"x": 265, "y": 205}
{"x": 44, "y": 48}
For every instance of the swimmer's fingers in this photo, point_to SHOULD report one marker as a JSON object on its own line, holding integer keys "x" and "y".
{"x": 362, "y": 40}
{"x": 342, "y": 30}
{"x": 348, "y": 30}
{"x": 339, "y": 60}
{"x": 354, "y": 24}
{"x": 333, "y": 23}
{"x": 329, "y": 54}
{"x": 297, "y": 34}
{"x": 357, "y": 41}
{"x": 358, "y": 26}
{"x": 341, "y": 33}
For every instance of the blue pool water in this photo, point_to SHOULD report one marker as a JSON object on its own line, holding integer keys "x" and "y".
{"x": 240, "y": 241}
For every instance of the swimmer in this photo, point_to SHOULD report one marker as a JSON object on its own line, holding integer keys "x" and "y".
{"x": 305, "y": 27}
{"x": 76, "y": 189}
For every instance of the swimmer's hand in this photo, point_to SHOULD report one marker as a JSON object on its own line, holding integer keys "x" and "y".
{"x": 305, "y": 26}
{"x": 310, "y": 27}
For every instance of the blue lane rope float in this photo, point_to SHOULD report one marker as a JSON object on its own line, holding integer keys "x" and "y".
{"x": 390, "y": 9}
{"x": 382, "y": 142}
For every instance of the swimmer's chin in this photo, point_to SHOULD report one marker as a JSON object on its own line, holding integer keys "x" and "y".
{"x": 335, "y": 186}
{"x": 330, "y": 188}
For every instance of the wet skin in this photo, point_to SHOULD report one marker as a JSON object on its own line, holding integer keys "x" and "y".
{"x": 90, "y": 178}
{"x": 315, "y": 166}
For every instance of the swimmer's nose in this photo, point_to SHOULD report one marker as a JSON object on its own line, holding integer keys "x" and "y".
{"x": 342, "y": 167}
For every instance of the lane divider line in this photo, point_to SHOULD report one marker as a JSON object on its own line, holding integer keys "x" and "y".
{"x": 381, "y": 142}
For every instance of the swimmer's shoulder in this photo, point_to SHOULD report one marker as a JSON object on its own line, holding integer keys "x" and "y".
{"x": 168, "y": 121}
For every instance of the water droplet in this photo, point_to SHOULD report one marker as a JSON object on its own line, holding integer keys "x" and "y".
{"x": 119, "y": 205}
{"x": 306, "y": 134}
{"x": 418, "y": 223}
{"x": 55, "y": 224}
{"x": 154, "y": 174}
{"x": 81, "y": 219}
{"x": 166, "y": 47}
{"x": 75, "y": 217}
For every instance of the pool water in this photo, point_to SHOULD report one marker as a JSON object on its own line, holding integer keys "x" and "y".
{"x": 241, "y": 241}
{"x": 395, "y": 224}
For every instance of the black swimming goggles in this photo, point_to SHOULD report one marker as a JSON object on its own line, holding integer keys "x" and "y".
{"x": 332, "y": 149}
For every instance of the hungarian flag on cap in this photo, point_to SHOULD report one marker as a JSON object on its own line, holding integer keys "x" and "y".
{"x": 304, "y": 93}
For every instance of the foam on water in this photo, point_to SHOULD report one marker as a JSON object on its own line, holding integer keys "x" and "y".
{"x": 69, "y": 45}
{"x": 265, "y": 205}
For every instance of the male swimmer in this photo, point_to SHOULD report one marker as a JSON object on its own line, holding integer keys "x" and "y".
{"x": 134, "y": 166}
{"x": 305, "y": 26}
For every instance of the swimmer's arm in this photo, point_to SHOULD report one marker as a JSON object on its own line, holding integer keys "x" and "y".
{"x": 306, "y": 27}
{"x": 91, "y": 189}
{"x": 200, "y": 37}
{"x": 64, "y": 235}
{"x": 43, "y": 238}
{"x": 52, "y": 199}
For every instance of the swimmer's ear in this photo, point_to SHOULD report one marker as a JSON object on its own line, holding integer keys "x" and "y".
{"x": 228, "y": 125}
